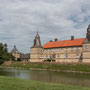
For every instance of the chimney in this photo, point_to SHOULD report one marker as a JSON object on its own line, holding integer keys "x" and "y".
{"x": 72, "y": 37}
{"x": 56, "y": 39}
{"x": 50, "y": 40}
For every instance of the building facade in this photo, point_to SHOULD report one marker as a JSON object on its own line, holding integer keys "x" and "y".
{"x": 73, "y": 50}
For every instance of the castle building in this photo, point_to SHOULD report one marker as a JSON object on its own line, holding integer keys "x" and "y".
{"x": 73, "y": 50}
{"x": 19, "y": 55}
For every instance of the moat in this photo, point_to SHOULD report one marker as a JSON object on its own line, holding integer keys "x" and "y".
{"x": 48, "y": 76}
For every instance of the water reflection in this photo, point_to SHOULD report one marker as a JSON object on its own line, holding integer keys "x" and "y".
{"x": 48, "y": 76}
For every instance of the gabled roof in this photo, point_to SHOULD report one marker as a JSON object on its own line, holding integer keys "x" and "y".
{"x": 64, "y": 43}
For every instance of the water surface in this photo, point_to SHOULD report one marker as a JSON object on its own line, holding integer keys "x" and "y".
{"x": 48, "y": 76}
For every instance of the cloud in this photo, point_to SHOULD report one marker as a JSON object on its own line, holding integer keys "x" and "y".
{"x": 19, "y": 20}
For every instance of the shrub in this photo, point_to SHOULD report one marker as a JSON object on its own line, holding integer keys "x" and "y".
{"x": 1, "y": 62}
{"x": 48, "y": 60}
{"x": 19, "y": 59}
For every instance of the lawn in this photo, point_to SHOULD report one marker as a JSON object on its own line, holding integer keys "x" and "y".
{"x": 7, "y": 83}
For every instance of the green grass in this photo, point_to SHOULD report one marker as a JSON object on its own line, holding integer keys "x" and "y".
{"x": 52, "y": 66}
{"x": 7, "y": 83}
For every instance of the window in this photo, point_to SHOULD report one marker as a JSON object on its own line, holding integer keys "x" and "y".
{"x": 41, "y": 56}
{"x": 66, "y": 56}
{"x": 41, "y": 50}
{"x": 57, "y": 49}
{"x": 86, "y": 46}
{"x": 48, "y": 56}
{"x": 66, "y": 49}
{"x": 77, "y": 56}
{"x": 57, "y": 56}
{"x": 77, "y": 48}
{"x": 71, "y": 48}
{"x": 44, "y": 56}
{"x": 53, "y": 55}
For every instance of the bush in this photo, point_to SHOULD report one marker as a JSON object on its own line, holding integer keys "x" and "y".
{"x": 1, "y": 62}
{"x": 48, "y": 60}
{"x": 19, "y": 59}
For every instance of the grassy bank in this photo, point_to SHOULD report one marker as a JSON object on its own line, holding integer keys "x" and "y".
{"x": 50, "y": 66}
{"x": 7, "y": 83}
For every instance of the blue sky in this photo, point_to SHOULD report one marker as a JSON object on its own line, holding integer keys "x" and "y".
{"x": 19, "y": 20}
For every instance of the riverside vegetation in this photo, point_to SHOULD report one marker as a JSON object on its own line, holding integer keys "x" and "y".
{"x": 7, "y": 83}
{"x": 51, "y": 66}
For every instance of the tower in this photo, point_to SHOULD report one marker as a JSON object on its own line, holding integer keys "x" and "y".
{"x": 86, "y": 47}
{"x": 15, "y": 53}
{"x": 36, "y": 51}
{"x": 88, "y": 34}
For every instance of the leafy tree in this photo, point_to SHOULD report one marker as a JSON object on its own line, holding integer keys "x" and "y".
{"x": 4, "y": 54}
{"x": 1, "y": 51}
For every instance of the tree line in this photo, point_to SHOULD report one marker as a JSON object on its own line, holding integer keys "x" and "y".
{"x": 4, "y": 54}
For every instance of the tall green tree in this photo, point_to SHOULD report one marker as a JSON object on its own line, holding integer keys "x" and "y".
{"x": 1, "y": 51}
{"x": 4, "y": 54}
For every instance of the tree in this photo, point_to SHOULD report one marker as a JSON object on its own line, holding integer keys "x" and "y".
{"x": 4, "y": 54}
{"x": 1, "y": 51}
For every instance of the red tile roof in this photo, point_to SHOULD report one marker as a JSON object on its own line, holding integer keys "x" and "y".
{"x": 64, "y": 43}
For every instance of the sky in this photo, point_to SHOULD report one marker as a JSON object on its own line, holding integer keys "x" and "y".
{"x": 19, "y": 20}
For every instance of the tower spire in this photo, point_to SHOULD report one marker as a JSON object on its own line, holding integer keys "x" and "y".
{"x": 37, "y": 42}
{"x": 88, "y": 34}
{"x": 88, "y": 29}
{"x": 14, "y": 46}
{"x": 37, "y": 30}
{"x": 37, "y": 35}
